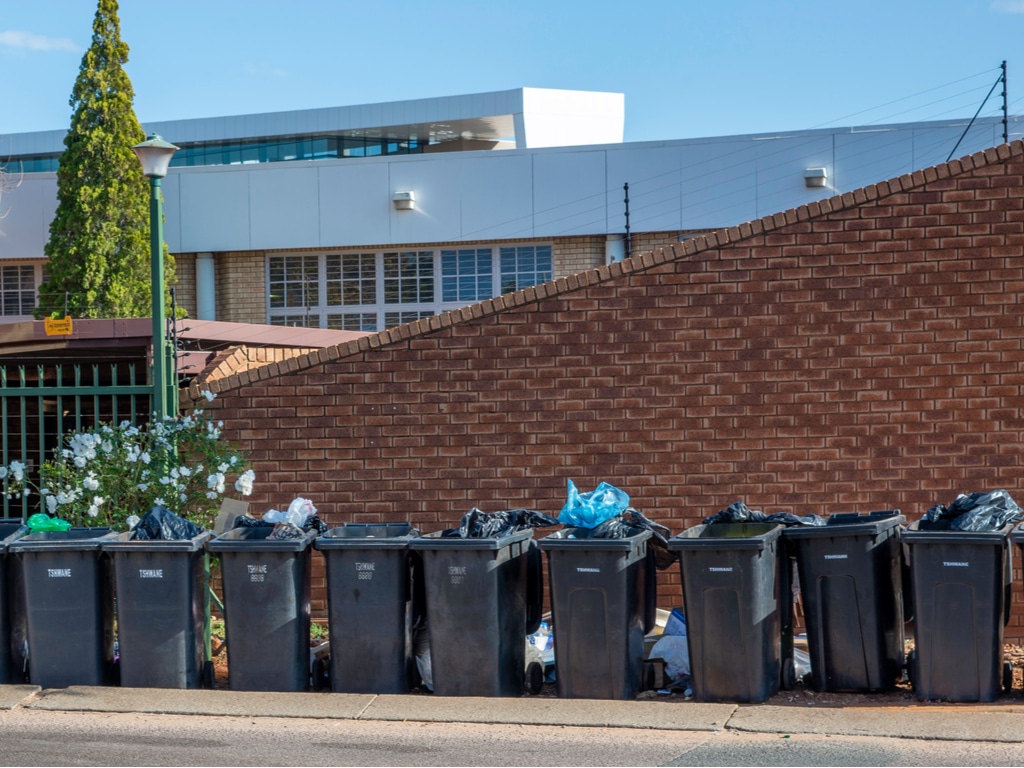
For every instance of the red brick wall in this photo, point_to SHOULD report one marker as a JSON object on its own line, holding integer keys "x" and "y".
{"x": 860, "y": 353}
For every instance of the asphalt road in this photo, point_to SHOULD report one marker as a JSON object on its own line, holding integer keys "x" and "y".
{"x": 33, "y": 737}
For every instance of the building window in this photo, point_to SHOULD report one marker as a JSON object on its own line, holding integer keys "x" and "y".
{"x": 467, "y": 275}
{"x": 409, "y": 277}
{"x": 294, "y": 281}
{"x": 351, "y": 280}
{"x": 525, "y": 265}
{"x": 17, "y": 290}
{"x": 364, "y": 291}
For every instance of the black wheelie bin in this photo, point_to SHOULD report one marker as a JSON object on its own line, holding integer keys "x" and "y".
{"x": 603, "y": 602}
{"x": 851, "y": 580}
{"x": 483, "y": 596}
{"x": 738, "y": 605}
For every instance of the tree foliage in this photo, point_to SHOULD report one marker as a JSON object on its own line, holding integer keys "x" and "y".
{"x": 99, "y": 246}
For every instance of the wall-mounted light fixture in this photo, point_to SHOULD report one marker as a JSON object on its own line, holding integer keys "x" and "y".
{"x": 815, "y": 177}
{"x": 404, "y": 201}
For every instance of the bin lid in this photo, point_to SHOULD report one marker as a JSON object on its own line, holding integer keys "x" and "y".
{"x": 435, "y": 541}
{"x": 10, "y": 530}
{"x": 848, "y": 524}
{"x": 367, "y": 536}
{"x": 726, "y": 536}
{"x": 914, "y": 535}
{"x": 1017, "y": 534}
{"x": 124, "y": 542}
{"x": 78, "y": 539}
{"x": 581, "y": 538}
{"x": 255, "y": 540}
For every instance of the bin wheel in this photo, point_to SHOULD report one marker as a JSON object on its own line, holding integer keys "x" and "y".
{"x": 534, "y": 679}
{"x": 207, "y": 678}
{"x": 1007, "y": 676}
{"x": 788, "y": 675}
{"x": 321, "y": 675}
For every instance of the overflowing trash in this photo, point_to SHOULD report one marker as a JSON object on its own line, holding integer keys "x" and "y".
{"x": 673, "y": 648}
{"x": 488, "y": 525}
{"x": 300, "y": 518}
{"x": 160, "y": 524}
{"x": 973, "y": 512}
{"x": 738, "y": 512}
{"x": 589, "y": 510}
{"x": 41, "y": 522}
{"x": 616, "y": 519}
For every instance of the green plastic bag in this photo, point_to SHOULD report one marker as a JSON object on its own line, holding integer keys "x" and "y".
{"x": 41, "y": 522}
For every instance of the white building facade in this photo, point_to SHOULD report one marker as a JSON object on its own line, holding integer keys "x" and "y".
{"x": 365, "y": 217}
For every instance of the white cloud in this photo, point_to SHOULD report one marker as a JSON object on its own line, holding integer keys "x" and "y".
{"x": 13, "y": 38}
{"x": 1008, "y": 6}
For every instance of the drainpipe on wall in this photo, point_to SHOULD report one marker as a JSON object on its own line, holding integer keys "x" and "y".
{"x": 206, "y": 294}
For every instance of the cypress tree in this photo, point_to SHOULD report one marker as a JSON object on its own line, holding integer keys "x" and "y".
{"x": 99, "y": 247}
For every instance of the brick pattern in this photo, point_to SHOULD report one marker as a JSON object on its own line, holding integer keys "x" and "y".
{"x": 863, "y": 352}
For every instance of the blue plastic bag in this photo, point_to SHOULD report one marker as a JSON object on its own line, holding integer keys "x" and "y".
{"x": 589, "y": 510}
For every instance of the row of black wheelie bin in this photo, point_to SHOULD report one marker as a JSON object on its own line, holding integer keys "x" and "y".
{"x": 473, "y": 601}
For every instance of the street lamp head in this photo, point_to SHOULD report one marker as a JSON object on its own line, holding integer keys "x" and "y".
{"x": 155, "y": 155}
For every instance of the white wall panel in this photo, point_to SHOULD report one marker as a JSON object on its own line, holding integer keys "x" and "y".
{"x": 653, "y": 174}
{"x": 438, "y": 212}
{"x": 780, "y": 168}
{"x": 569, "y": 193}
{"x": 215, "y": 211}
{"x": 25, "y": 214}
{"x": 496, "y": 196}
{"x": 355, "y": 204}
{"x": 285, "y": 204}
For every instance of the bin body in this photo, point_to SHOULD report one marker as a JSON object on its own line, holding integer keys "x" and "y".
{"x": 369, "y": 603}
{"x": 852, "y": 586}
{"x": 732, "y": 581}
{"x": 10, "y": 670}
{"x": 477, "y": 611}
{"x": 69, "y": 606}
{"x": 600, "y": 591}
{"x": 266, "y": 608}
{"x": 960, "y": 583}
{"x": 160, "y": 589}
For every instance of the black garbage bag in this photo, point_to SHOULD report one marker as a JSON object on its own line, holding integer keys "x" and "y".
{"x": 738, "y": 512}
{"x": 312, "y": 522}
{"x": 161, "y": 524}
{"x": 628, "y": 523}
{"x": 487, "y": 525}
{"x": 973, "y": 512}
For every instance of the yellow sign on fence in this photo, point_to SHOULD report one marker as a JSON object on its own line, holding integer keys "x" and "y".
{"x": 56, "y": 327}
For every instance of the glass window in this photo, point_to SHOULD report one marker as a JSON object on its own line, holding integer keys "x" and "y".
{"x": 409, "y": 277}
{"x": 296, "y": 321}
{"x": 351, "y": 279}
{"x": 467, "y": 275}
{"x": 391, "y": 319}
{"x": 17, "y": 290}
{"x": 353, "y": 321}
{"x": 525, "y": 265}
{"x": 293, "y": 281}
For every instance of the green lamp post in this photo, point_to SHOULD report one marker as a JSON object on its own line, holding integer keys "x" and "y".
{"x": 155, "y": 155}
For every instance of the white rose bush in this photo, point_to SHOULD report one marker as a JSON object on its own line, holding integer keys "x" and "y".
{"x": 113, "y": 475}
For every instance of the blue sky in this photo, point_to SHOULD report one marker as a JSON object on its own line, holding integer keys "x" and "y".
{"x": 688, "y": 69}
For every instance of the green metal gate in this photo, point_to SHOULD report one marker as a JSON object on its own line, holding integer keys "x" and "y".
{"x": 40, "y": 404}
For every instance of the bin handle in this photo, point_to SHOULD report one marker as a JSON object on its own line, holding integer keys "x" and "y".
{"x": 650, "y": 591}
{"x": 534, "y": 587}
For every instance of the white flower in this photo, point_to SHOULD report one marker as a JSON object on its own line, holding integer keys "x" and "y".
{"x": 132, "y": 521}
{"x": 18, "y": 470}
{"x": 90, "y": 483}
{"x": 211, "y": 495}
{"x": 159, "y": 503}
{"x": 208, "y": 395}
{"x": 3, "y": 472}
{"x": 51, "y": 504}
{"x": 216, "y": 482}
{"x": 244, "y": 482}
{"x": 80, "y": 461}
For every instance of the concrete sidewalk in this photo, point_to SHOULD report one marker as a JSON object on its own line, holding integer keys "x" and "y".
{"x": 976, "y": 722}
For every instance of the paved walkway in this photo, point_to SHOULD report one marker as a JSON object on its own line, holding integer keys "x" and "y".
{"x": 970, "y": 722}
